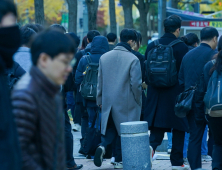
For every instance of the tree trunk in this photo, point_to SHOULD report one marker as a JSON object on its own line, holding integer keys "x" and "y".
{"x": 39, "y": 12}
{"x": 72, "y": 6}
{"x": 143, "y": 7}
{"x": 92, "y": 7}
{"x": 128, "y": 14}
{"x": 175, "y": 4}
{"x": 143, "y": 27}
{"x": 112, "y": 13}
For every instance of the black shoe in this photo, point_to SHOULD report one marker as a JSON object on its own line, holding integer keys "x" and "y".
{"x": 77, "y": 167}
{"x": 98, "y": 158}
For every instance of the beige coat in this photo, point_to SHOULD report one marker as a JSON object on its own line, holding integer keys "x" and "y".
{"x": 119, "y": 87}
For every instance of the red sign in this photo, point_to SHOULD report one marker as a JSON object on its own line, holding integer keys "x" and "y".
{"x": 199, "y": 23}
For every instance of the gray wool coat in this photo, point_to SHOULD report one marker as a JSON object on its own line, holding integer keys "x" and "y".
{"x": 119, "y": 88}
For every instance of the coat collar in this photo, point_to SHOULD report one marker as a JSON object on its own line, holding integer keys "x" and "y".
{"x": 169, "y": 35}
{"x": 121, "y": 48}
{"x": 43, "y": 82}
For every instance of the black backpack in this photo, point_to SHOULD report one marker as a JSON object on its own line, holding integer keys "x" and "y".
{"x": 11, "y": 78}
{"x": 161, "y": 68}
{"x": 88, "y": 87}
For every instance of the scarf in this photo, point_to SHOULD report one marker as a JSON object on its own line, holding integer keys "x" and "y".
{"x": 125, "y": 45}
{"x": 9, "y": 44}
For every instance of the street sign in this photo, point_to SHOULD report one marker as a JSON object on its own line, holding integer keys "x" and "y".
{"x": 205, "y": 24}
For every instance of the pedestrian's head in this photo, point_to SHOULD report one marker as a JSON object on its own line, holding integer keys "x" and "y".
{"x": 27, "y": 35}
{"x": 8, "y": 13}
{"x": 40, "y": 27}
{"x": 191, "y": 39}
{"x": 172, "y": 25}
{"x": 219, "y": 46}
{"x": 128, "y": 36}
{"x": 91, "y": 34}
{"x": 100, "y": 45}
{"x": 209, "y": 35}
{"x": 111, "y": 37}
{"x": 9, "y": 32}
{"x": 75, "y": 38}
{"x": 58, "y": 27}
{"x": 32, "y": 26}
{"x": 84, "y": 43}
{"x": 52, "y": 53}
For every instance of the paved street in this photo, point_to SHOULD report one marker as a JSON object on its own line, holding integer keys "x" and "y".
{"x": 162, "y": 162}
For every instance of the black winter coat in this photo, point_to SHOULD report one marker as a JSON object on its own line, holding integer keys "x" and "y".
{"x": 142, "y": 59}
{"x": 10, "y": 155}
{"x": 159, "y": 107}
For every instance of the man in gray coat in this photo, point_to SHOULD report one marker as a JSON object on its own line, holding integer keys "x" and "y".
{"x": 119, "y": 93}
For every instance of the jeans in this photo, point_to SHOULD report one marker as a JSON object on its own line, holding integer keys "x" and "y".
{"x": 110, "y": 137}
{"x": 204, "y": 148}
{"x": 70, "y": 102}
{"x": 169, "y": 135}
{"x": 70, "y": 162}
{"x": 92, "y": 114}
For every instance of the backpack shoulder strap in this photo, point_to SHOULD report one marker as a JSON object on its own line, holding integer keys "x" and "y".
{"x": 175, "y": 42}
{"x": 156, "y": 42}
{"x": 88, "y": 58}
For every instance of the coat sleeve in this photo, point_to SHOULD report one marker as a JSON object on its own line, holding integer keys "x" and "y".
{"x": 26, "y": 119}
{"x": 99, "y": 85}
{"x": 19, "y": 71}
{"x": 181, "y": 75}
{"x": 136, "y": 81}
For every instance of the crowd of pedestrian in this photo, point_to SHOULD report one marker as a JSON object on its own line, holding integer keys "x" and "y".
{"x": 46, "y": 78}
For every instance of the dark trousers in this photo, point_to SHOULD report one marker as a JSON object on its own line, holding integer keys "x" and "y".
{"x": 156, "y": 138}
{"x": 70, "y": 162}
{"x": 79, "y": 109}
{"x": 195, "y": 142}
{"x": 109, "y": 138}
{"x": 70, "y": 102}
{"x": 215, "y": 124}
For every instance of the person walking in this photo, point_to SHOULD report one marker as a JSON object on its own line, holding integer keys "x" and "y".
{"x": 159, "y": 111}
{"x": 190, "y": 72}
{"x": 99, "y": 47}
{"x": 119, "y": 93}
{"x": 215, "y": 123}
{"x": 10, "y": 153}
{"x": 37, "y": 103}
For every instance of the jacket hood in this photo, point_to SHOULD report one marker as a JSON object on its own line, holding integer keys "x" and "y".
{"x": 99, "y": 45}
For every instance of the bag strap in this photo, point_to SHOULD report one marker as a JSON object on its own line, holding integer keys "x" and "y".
{"x": 175, "y": 42}
{"x": 88, "y": 58}
{"x": 213, "y": 61}
{"x": 156, "y": 42}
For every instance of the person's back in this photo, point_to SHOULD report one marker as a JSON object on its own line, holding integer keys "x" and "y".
{"x": 23, "y": 55}
{"x": 190, "y": 73}
{"x": 119, "y": 93}
{"x": 37, "y": 104}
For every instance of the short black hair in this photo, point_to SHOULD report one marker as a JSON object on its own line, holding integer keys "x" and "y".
{"x": 75, "y": 38}
{"x": 91, "y": 34}
{"x": 26, "y": 36}
{"x": 7, "y": 7}
{"x": 219, "y": 47}
{"x": 128, "y": 34}
{"x": 172, "y": 23}
{"x": 111, "y": 37}
{"x": 32, "y": 26}
{"x": 208, "y": 33}
{"x": 40, "y": 27}
{"x": 51, "y": 42}
{"x": 190, "y": 39}
{"x": 58, "y": 27}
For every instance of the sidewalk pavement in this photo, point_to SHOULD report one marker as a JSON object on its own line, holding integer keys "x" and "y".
{"x": 162, "y": 162}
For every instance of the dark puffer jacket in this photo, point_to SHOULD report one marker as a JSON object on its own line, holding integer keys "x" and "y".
{"x": 37, "y": 107}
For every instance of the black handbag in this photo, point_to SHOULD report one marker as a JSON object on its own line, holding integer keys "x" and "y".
{"x": 184, "y": 102}
{"x": 92, "y": 138}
